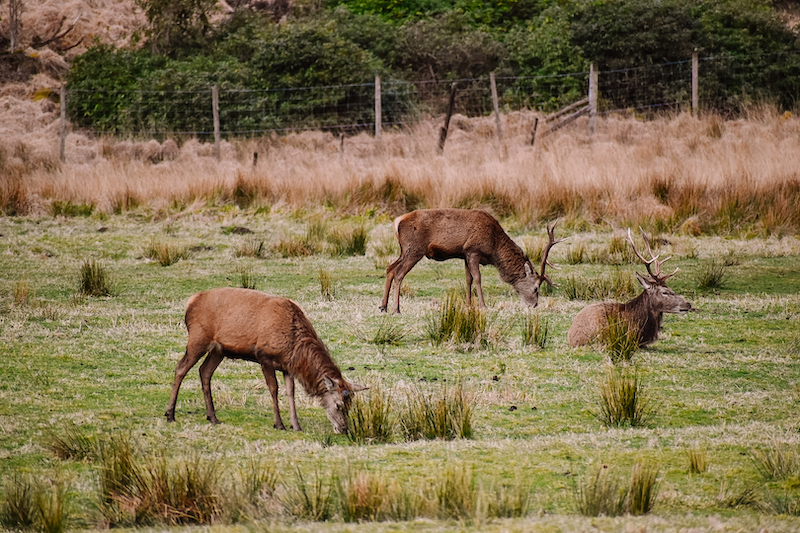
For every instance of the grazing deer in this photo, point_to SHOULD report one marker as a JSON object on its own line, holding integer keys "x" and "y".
{"x": 269, "y": 330}
{"x": 643, "y": 314}
{"x": 469, "y": 234}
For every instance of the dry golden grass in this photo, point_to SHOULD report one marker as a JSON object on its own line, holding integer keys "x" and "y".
{"x": 679, "y": 172}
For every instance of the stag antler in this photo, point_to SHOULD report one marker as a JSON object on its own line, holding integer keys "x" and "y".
{"x": 551, "y": 242}
{"x": 657, "y": 277}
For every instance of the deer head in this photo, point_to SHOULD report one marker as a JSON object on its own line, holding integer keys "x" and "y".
{"x": 662, "y": 298}
{"x": 528, "y": 286}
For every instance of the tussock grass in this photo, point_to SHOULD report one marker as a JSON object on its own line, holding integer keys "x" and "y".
{"x": 363, "y": 496}
{"x": 30, "y": 504}
{"x": 94, "y": 279}
{"x": 71, "y": 443}
{"x": 348, "y": 241}
{"x": 643, "y": 489}
{"x": 447, "y": 417}
{"x": 507, "y": 500}
{"x": 455, "y": 493}
{"x": 458, "y": 322}
{"x": 388, "y": 333}
{"x": 784, "y": 502}
{"x": 165, "y": 253}
{"x": 253, "y": 247}
{"x": 310, "y": 498}
{"x": 712, "y": 275}
{"x": 777, "y": 462}
{"x": 619, "y": 340}
{"x": 326, "y": 287}
{"x": 247, "y": 280}
{"x": 622, "y": 400}
{"x": 618, "y": 285}
{"x": 698, "y": 461}
{"x": 535, "y": 330}
{"x": 600, "y": 493}
{"x": 371, "y": 417}
{"x": 21, "y": 293}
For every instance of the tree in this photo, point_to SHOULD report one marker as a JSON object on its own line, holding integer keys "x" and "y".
{"x": 15, "y": 10}
{"x": 177, "y": 27}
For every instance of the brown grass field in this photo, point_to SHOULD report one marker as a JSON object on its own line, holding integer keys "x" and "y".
{"x": 677, "y": 173}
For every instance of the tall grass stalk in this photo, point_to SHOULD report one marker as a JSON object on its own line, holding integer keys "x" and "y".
{"x": 458, "y": 322}
{"x": 698, "y": 462}
{"x": 535, "y": 330}
{"x": 712, "y": 275}
{"x": 643, "y": 489}
{"x": 777, "y": 462}
{"x": 447, "y": 417}
{"x": 622, "y": 400}
{"x": 311, "y": 499}
{"x": 348, "y": 242}
{"x": 370, "y": 419}
{"x": 363, "y": 496}
{"x": 619, "y": 339}
{"x": 600, "y": 493}
{"x": 94, "y": 279}
{"x": 165, "y": 253}
{"x": 455, "y": 493}
{"x": 326, "y": 288}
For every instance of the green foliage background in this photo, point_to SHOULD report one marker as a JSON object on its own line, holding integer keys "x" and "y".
{"x": 348, "y": 42}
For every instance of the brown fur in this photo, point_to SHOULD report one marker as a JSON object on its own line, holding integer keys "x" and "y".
{"x": 643, "y": 314}
{"x": 269, "y": 330}
{"x": 469, "y": 234}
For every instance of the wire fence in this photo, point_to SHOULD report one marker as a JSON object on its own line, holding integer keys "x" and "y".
{"x": 724, "y": 81}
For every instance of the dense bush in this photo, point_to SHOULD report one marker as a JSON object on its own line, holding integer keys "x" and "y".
{"x": 264, "y": 70}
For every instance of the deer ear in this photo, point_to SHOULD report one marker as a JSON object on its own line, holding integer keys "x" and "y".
{"x": 355, "y": 387}
{"x": 644, "y": 282}
{"x": 328, "y": 383}
{"x": 528, "y": 270}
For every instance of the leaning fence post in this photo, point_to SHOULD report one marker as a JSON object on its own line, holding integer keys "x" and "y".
{"x": 592, "y": 98}
{"x": 496, "y": 107}
{"x": 695, "y": 83}
{"x": 378, "y": 110}
{"x": 443, "y": 132}
{"x": 215, "y": 112}
{"x": 533, "y": 130}
{"x": 62, "y": 151}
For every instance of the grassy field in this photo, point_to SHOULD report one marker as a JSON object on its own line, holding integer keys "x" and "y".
{"x": 723, "y": 382}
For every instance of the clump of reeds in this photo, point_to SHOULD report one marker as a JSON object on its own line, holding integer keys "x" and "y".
{"x": 600, "y": 493}
{"x": 307, "y": 245}
{"x": 619, "y": 285}
{"x": 68, "y": 209}
{"x": 30, "y": 504}
{"x": 455, "y": 493}
{"x": 622, "y": 400}
{"x": 619, "y": 339}
{"x": 362, "y": 496}
{"x": 255, "y": 492}
{"x": 779, "y": 461}
{"x": 370, "y": 419}
{"x": 643, "y": 489}
{"x": 576, "y": 254}
{"x": 253, "y": 247}
{"x": 786, "y": 503}
{"x": 535, "y": 330}
{"x": 507, "y": 501}
{"x": 165, "y": 253}
{"x": 94, "y": 279}
{"x": 698, "y": 463}
{"x": 447, "y": 417}
{"x": 311, "y": 499}
{"x": 70, "y": 443}
{"x": 388, "y": 333}
{"x": 458, "y": 322}
{"x": 348, "y": 241}
{"x": 326, "y": 288}
{"x": 247, "y": 280}
{"x": 22, "y": 294}
{"x": 712, "y": 275}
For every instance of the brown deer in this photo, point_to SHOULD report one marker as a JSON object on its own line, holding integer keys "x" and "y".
{"x": 643, "y": 314}
{"x": 269, "y": 330}
{"x": 469, "y": 234}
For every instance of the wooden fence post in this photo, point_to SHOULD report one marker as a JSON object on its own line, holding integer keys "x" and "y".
{"x": 533, "y": 130}
{"x": 695, "y": 83}
{"x": 592, "y": 98}
{"x": 443, "y": 132}
{"x": 62, "y": 151}
{"x": 496, "y": 107}
{"x": 378, "y": 110}
{"x": 215, "y": 112}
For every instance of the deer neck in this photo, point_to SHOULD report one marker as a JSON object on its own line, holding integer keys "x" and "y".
{"x": 641, "y": 312}
{"x": 510, "y": 261}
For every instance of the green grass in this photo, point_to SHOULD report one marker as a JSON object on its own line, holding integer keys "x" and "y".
{"x": 87, "y": 369}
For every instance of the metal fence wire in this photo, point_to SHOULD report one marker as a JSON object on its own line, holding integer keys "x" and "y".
{"x": 351, "y": 108}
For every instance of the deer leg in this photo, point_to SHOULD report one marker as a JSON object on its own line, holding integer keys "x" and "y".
{"x": 288, "y": 382}
{"x": 474, "y": 269}
{"x": 272, "y": 383}
{"x": 390, "y": 271}
{"x": 402, "y": 269}
{"x": 469, "y": 283}
{"x": 194, "y": 351}
{"x": 207, "y": 369}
